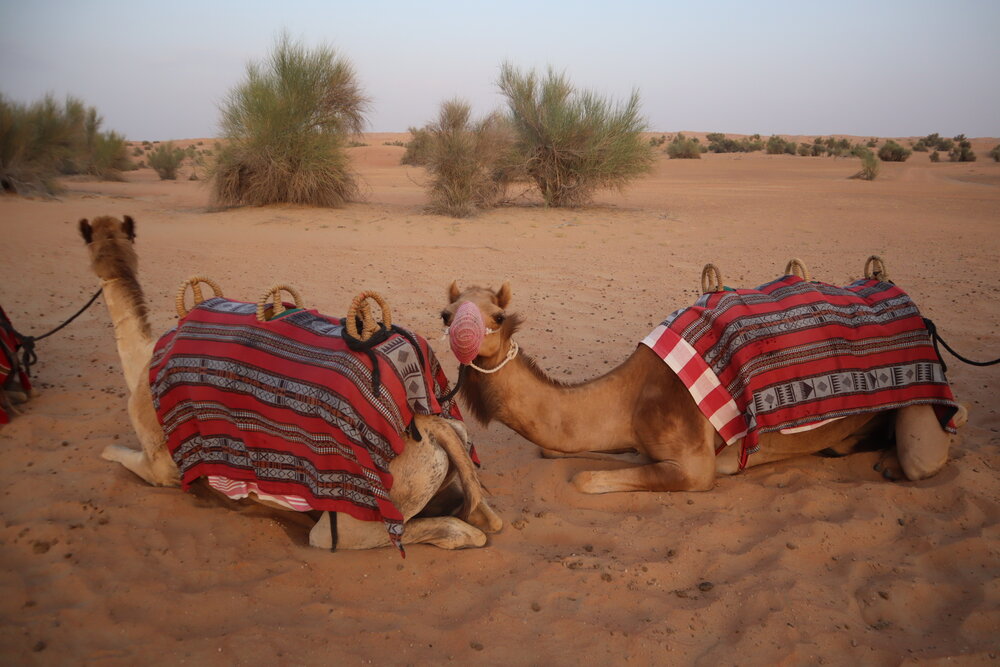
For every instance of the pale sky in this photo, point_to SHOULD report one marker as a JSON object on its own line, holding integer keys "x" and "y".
{"x": 159, "y": 70}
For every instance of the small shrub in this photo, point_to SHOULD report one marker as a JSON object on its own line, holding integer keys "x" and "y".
{"x": 137, "y": 152}
{"x": 893, "y": 152}
{"x": 471, "y": 163}
{"x": 165, "y": 159}
{"x": 356, "y": 144}
{"x": 869, "y": 166}
{"x": 805, "y": 150}
{"x": 995, "y": 153}
{"x": 397, "y": 142}
{"x": 417, "y": 149}
{"x": 920, "y": 146}
{"x": 656, "y": 142}
{"x": 963, "y": 151}
{"x": 872, "y": 143}
{"x": 935, "y": 157}
{"x": 684, "y": 148}
{"x": 720, "y": 143}
{"x": 777, "y": 145}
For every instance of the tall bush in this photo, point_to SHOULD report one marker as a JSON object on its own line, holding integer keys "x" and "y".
{"x": 44, "y": 139}
{"x": 869, "y": 165}
{"x": 418, "y": 148}
{"x": 287, "y": 126}
{"x": 995, "y": 153}
{"x": 470, "y": 162}
{"x": 572, "y": 142}
{"x": 963, "y": 151}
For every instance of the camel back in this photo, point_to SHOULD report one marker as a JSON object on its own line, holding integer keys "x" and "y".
{"x": 285, "y": 405}
{"x": 793, "y": 354}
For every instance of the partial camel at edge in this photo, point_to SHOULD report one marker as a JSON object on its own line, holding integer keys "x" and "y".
{"x": 428, "y": 475}
{"x": 643, "y": 406}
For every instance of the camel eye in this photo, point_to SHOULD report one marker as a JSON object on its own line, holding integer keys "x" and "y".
{"x": 446, "y": 317}
{"x": 499, "y": 318}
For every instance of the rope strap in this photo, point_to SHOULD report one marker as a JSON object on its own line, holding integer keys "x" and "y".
{"x": 936, "y": 338}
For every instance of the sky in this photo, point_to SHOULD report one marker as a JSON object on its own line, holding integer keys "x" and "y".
{"x": 160, "y": 70}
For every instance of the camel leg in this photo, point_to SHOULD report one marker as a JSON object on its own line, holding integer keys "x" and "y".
{"x": 921, "y": 444}
{"x": 695, "y": 473}
{"x": 418, "y": 474}
{"x": 153, "y": 463}
{"x": 610, "y": 455}
{"x": 485, "y": 519}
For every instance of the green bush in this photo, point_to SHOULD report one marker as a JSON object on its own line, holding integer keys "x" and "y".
{"x": 44, "y": 139}
{"x": 417, "y": 149}
{"x": 656, "y": 142}
{"x": 995, "y": 153}
{"x": 920, "y": 146}
{"x": 963, "y": 151}
{"x": 935, "y": 157}
{"x": 720, "y": 143}
{"x": 893, "y": 152}
{"x": 777, "y": 145}
{"x": 805, "y": 150}
{"x": 286, "y": 128}
{"x": 571, "y": 143}
{"x": 165, "y": 159}
{"x": 684, "y": 148}
{"x": 869, "y": 165}
{"x": 470, "y": 163}
{"x": 396, "y": 142}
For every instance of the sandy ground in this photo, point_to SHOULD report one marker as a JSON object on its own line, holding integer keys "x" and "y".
{"x": 809, "y": 561}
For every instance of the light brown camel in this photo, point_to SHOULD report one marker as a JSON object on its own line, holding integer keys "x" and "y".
{"x": 424, "y": 473}
{"x": 642, "y": 406}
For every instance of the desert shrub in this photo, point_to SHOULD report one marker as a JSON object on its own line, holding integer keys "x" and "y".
{"x": 963, "y": 151}
{"x": 869, "y": 165}
{"x": 137, "y": 152}
{"x": 920, "y": 146}
{"x": 44, "y": 139}
{"x": 656, "y": 142}
{"x": 776, "y": 145}
{"x": 471, "y": 163}
{"x": 165, "y": 159}
{"x": 805, "y": 150}
{"x": 893, "y": 152}
{"x": 286, "y": 127}
{"x": 938, "y": 142}
{"x": 417, "y": 149}
{"x": 935, "y": 157}
{"x": 995, "y": 153}
{"x": 720, "y": 143}
{"x": 396, "y": 142}
{"x": 569, "y": 142}
{"x": 872, "y": 143}
{"x": 684, "y": 148}
{"x": 356, "y": 144}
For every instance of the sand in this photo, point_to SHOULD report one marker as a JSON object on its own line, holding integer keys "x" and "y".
{"x": 808, "y": 561}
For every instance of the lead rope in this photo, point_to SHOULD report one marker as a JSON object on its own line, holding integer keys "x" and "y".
{"x": 28, "y": 355}
{"x": 936, "y": 338}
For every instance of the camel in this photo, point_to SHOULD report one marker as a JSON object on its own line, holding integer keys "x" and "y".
{"x": 430, "y": 475}
{"x": 643, "y": 407}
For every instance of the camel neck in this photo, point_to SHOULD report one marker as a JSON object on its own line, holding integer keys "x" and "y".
{"x": 582, "y": 417}
{"x": 127, "y": 307}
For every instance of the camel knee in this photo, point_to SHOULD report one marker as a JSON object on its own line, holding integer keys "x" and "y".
{"x": 921, "y": 444}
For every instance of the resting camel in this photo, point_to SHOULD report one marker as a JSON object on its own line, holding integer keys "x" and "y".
{"x": 642, "y": 406}
{"x": 427, "y": 475}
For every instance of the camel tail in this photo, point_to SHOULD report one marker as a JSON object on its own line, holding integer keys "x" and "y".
{"x": 458, "y": 454}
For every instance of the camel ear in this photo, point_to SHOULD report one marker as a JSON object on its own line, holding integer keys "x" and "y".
{"x": 85, "y": 231}
{"x": 129, "y": 227}
{"x": 453, "y": 291}
{"x": 503, "y": 295}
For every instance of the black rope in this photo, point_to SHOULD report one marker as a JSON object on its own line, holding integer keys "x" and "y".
{"x": 936, "y": 338}
{"x": 28, "y": 355}
{"x": 463, "y": 369}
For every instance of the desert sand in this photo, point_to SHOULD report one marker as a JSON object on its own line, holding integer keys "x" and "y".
{"x": 809, "y": 561}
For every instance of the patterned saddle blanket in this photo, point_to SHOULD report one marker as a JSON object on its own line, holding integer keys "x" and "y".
{"x": 284, "y": 408}
{"x": 12, "y": 374}
{"x": 794, "y": 354}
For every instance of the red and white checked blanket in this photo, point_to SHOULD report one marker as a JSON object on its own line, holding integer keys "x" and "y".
{"x": 285, "y": 409}
{"x": 793, "y": 354}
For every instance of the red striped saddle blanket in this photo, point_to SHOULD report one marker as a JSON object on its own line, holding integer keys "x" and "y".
{"x": 12, "y": 374}
{"x": 286, "y": 407}
{"x": 793, "y": 354}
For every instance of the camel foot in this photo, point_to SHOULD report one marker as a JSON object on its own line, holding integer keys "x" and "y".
{"x": 165, "y": 473}
{"x": 921, "y": 444}
{"x": 446, "y": 532}
{"x": 698, "y": 475}
{"x": 485, "y": 519}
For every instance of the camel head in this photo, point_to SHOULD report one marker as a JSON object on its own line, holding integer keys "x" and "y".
{"x": 110, "y": 241}
{"x": 492, "y": 305}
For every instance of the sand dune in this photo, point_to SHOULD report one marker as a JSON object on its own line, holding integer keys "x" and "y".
{"x": 805, "y": 562}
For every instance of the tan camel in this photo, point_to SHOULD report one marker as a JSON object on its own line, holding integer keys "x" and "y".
{"x": 642, "y": 406}
{"x": 428, "y": 475}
